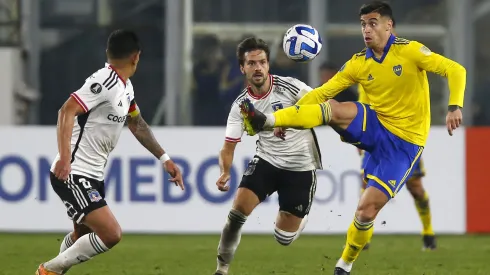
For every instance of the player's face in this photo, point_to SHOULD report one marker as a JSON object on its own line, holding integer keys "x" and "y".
{"x": 256, "y": 67}
{"x": 375, "y": 29}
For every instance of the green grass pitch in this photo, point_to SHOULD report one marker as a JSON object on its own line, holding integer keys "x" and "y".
{"x": 257, "y": 255}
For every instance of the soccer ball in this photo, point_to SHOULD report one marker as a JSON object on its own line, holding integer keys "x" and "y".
{"x": 302, "y": 43}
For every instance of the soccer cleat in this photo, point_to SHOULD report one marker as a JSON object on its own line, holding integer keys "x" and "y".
{"x": 43, "y": 271}
{"x": 253, "y": 119}
{"x": 429, "y": 242}
{"x": 219, "y": 273}
{"x": 340, "y": 271}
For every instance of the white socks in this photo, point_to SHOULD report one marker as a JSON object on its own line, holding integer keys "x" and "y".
{"x": 81, "y": 251}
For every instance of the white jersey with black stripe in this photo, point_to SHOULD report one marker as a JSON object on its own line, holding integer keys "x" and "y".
{"x": 106, "y": 99}
{"x": 300, "y": 150}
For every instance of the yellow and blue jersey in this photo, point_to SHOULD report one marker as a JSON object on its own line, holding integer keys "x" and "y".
{"x": 393, "y": 116}
{"x": 396, "y": 85}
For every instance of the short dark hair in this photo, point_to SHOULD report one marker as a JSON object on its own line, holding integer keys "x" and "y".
{"x": 381, "y": 7}
{"x": 122, "y": 43}
{"x": 251, "y": 44}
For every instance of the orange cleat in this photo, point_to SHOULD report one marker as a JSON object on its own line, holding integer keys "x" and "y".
{"x": 43, "y": 271}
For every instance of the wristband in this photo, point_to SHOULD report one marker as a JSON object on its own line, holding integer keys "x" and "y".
{"x": 452, "y": 108}
{"x": 164, "y": 158}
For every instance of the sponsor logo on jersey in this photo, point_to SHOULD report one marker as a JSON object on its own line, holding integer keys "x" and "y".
{"x": 115, "y": 118}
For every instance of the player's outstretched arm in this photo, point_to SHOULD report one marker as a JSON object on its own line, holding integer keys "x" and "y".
{"x": 64, "y": 129}
{"x": 341, "y": 81}
{"x": 142, "y": 131}
{"x": 455, "y": 74}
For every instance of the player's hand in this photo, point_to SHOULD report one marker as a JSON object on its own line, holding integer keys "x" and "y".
{"x": 222, "y": 182}
{"x": 453, "y": 120}
{"x": 280, "y": 133}
{"x": 62, "y": 169}
{"x": 174, "y": 171}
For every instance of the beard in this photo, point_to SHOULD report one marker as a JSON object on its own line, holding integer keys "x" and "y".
{"x": 258, "y": 83}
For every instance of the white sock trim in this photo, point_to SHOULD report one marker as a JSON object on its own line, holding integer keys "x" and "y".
{"x": 284, "y": 237}
{"x": 344, "y": 265}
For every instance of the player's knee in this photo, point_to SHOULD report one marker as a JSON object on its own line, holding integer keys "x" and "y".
{"x": 284, "y": 238}
{"x": 111, "y": 237}
{"x": 342, "y": 112}
{"x": 367, "y": 212}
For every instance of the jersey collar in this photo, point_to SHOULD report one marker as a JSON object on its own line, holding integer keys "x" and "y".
{"x": 370, "y": 53}
{"x": 109, "y": 66}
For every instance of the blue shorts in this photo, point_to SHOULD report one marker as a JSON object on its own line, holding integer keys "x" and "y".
{"x": 391, "y": 159}
{"x": 418, "y": 170}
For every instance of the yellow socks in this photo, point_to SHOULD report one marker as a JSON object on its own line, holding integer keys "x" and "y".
{"x": 423, "y": 209}
{"x": 358, "y": 235}
{"x": 303, "y": 116}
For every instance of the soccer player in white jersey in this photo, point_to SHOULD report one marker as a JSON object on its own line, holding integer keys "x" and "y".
{"x": 284, "y": 162}
{"x": 89, "y": 125}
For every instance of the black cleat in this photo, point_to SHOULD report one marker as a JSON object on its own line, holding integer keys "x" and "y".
{"x": 219, "y": 273}
{"x": 253, "y": 119}
{"x": 429, "y": 242}
{"x": 340, "y": 271}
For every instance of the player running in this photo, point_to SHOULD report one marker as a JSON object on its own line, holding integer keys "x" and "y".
{"x": 414, "y": 186}
{"x": 89, "y": 125}
{"x": 393, "y": 128}
{"x": 285, "y": 161}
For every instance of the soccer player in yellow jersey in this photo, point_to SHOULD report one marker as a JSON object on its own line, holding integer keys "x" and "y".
{"x": 414, "y": 186}
{"x": 393, "y": 128}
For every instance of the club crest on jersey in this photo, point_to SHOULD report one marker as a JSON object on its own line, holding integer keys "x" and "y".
{"x": 94, "y": 195}
{"x": 277, "y": 106}
{"x": 397, "y": 70}
{"x": 95, "y": 88}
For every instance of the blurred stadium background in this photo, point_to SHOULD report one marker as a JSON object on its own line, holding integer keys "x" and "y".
{"x": 188, "y": 70}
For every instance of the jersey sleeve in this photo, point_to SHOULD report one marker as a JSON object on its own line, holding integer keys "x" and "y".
{"x": 90, "y": 95}
{"x": 303, "y": 88}
{"x": 436, "y": 63}
{"x": 343, "y": 79}
{"x": 234, "y": 125}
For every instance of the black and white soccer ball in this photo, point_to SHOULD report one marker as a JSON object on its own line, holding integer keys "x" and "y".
{"x": 302, "y": 43}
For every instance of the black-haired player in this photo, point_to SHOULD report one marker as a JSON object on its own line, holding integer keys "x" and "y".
{"x": 395, "y": 125}
{"x": 89, "y": 125}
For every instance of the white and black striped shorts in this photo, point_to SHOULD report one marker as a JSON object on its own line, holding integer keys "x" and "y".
{"x": 81, "y": 195}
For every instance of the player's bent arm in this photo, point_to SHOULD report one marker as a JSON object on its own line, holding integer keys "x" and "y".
{"x": 436, "y": 63}
{"x": 226, "y": 156}
{"x": 342, "y": 80}
{"x": 66, "y": 119}
{"x": 142, "y": 131}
